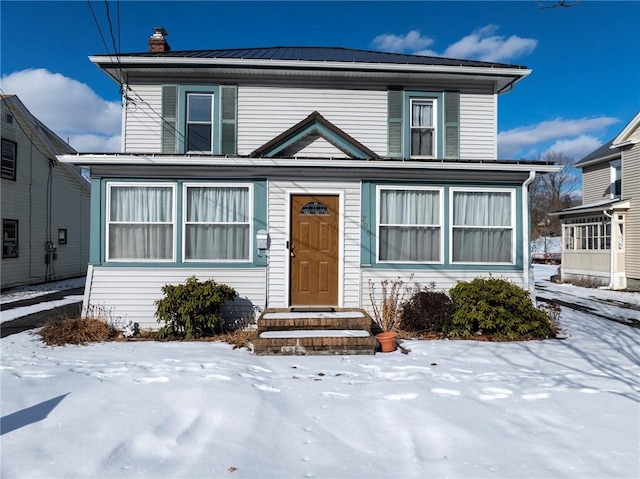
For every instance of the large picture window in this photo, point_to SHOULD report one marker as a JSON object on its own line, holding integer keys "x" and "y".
{"x": 410, "y": 225}
{"x": 423, "y": 127}
{"x": 140, "y": 222}
{"x": 8, "y": 159}
{"x": 217, "y": 223}
{"x": 483, "y": 226}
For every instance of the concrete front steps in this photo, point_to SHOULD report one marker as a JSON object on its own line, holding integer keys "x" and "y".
{"x": 306, "y": 331}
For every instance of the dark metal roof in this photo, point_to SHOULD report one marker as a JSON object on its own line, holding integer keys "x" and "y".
{"x": 319, "y": 54}
{"x": 600, "y": 152}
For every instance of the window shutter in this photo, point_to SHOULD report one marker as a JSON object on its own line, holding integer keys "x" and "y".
{"x": 394, "y": 119}
{"x": 229, "y": 107}
{"x": 452, "y": 125}
{"x": 169, "y": 115}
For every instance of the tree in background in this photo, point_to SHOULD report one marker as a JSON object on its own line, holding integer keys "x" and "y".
{"x": 553, "y": 192}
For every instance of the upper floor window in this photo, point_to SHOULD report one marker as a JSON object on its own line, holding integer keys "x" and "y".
{"x": 199, "y": 122}
{"x": 199, "y": 119}
{"x": 10, "y": 238}
{"x": 9, "y": 149}
{"x": 410, "y": 225}
{"x": 483, "y": 226}
{"x": 423, "y": 128}
{"x": 615, "y": 168}
{"x": 140, "y": 222}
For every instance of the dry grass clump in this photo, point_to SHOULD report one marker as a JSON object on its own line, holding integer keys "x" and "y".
{"x": 240, "y": 338}
{"x": 62, "y": 331}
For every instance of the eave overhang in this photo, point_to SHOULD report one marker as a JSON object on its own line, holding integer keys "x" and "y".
{"x": 121, "y": 67}
{"x": 122, "y": 159}
{"x": 598, "y": 207}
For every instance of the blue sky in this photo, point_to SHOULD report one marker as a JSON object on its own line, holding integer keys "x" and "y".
{"x": 585, "y": 85}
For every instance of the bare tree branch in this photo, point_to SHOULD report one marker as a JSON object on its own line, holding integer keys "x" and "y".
{"x": 559, "y": 3}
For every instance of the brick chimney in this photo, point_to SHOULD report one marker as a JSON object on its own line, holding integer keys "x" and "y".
{"x": 158, "y": 42}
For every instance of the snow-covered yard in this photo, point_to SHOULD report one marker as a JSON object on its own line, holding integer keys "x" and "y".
{"x": 459, "y": 409}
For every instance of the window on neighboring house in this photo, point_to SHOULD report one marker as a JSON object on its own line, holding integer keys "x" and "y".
{"x": 10, "y": 239}
{"x": 9, "y": 159}
{"x": 9, "y": 118}
{"x": 587, "y": 234}
{"x": 140, "y": 222}
{"x": 199, "y": 128}
{"x": 410, "y": 225}
{"x": 217, "y": 223}
{"x": 423, "y": 127}
{"x": 616, "y": 178}
{"x": 483, "y": 226}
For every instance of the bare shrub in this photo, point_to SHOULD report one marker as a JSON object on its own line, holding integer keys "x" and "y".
{"x": 387, "y": 309}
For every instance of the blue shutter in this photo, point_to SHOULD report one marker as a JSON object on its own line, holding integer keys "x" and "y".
{"x": 169, "y": 118}
{"x": 452, "y": 125}
{"x": 394, "y": 123}
{"x": 228, "y": 123}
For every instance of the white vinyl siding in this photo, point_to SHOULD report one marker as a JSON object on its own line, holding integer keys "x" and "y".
{"x": 278, "y": 216}
{"x": 265, "y": 112}
{"x": 142, "y": 120}
{"x": 478, "y": 126}
{"x": 128, "y": 294}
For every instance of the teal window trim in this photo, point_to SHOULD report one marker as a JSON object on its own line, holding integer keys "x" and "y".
{"x": 99, "y": 229}
{"x": 181, "y": 121}
{"x": 369, "y": 225}
{"x": 439, "y": 126}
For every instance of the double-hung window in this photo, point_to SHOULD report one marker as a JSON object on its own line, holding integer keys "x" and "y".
{"x": 8, "y": 159}
{"x": 140, "y": 222}
{"x": 217, "y": 222}
{"x": 410, "y": 225}
{"x": 483, "y": 226}
{"x": 423, "y": 127}
{"x": 200, "y": 121}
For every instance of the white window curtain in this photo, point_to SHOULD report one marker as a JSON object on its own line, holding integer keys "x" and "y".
{"x": 217, "y": 223}
{"x": 409, "y": 225}
{"x": 140, "y": 223}
{"x": 482, "y": 229}
{"x": 422, "y": 128}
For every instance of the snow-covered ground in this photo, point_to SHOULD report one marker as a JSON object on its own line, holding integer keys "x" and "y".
{"x": 460, "y": 409}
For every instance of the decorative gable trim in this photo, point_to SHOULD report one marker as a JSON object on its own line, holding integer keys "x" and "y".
{"x": 315, "y": 123}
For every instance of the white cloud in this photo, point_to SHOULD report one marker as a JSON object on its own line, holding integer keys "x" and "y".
{"x": 70, "y": 108}
{"x": 520, "y": 142}
{"x": 575, "y": 148}
{"x": 411, "y": 42}
{"x": 483, "y": 44}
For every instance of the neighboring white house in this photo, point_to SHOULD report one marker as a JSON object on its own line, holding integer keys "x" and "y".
{"x": 299, "y": 175}
{"x": 601, "y": 237}
{"x": 45, "y": 203}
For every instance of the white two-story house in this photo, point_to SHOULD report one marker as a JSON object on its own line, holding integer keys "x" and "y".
{"x": 298, "y": 174}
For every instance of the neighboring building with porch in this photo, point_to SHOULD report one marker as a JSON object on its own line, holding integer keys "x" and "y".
{"x": 300, "y": 175}
{"x": 45, "y": 203}
{"x": 601, "y": 237}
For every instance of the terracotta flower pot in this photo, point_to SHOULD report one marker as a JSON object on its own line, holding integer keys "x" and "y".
{"x": 387, "y": 341}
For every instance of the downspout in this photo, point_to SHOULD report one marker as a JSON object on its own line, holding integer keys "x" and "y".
{"x": 526, "y": 246}
{"x": 611, "y": 257}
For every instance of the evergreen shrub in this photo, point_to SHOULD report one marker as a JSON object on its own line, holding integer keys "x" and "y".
{"x": 192, "y": 310}
{"x": 496, "y": 307}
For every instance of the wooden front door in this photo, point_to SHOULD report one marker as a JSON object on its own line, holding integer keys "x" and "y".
{"x": 313, "y": 250}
